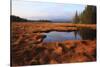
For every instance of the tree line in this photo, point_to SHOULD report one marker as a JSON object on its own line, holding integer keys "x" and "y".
{"x": 17, "y": 18}
{"x": 14, "y": 18}
{"x": 88, "y": 16}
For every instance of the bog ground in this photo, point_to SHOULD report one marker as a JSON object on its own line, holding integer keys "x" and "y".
{"x": 28, "y": 47}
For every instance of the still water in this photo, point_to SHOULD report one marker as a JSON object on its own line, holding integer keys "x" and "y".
{"x": 83, "y": 34}
{"x": 61, "y": 36}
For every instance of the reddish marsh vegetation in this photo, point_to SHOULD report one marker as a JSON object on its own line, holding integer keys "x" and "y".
{"x": 28, "y": 48}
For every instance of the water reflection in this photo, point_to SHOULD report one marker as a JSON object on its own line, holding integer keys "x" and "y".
{"x": 87, "y": 33}
{"x": 61, "y": 36}
{"x": 82, "y": 34}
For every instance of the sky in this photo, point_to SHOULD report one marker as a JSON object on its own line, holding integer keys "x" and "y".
{"x": 45, "y": 10}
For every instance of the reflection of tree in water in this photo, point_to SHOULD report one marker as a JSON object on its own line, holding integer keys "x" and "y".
{"x": 75, "y": 33}
{"x": 87, "y": 33}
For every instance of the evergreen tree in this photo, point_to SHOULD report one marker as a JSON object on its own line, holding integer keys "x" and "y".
{"x": 88, "y": 15}
{"x": 76, "y": 18}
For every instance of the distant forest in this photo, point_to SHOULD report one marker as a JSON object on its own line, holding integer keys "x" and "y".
{"x": 17, "y": 19}
{"x": 14, "y": 18}
{"x": 88, "y": 16}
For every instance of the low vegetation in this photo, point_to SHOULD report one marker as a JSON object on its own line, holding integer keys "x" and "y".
{"x": 28, "y": 48}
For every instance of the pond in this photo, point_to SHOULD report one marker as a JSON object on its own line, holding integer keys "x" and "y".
{"x": 83, "y": 34}
{"x": 61, "y": 36}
